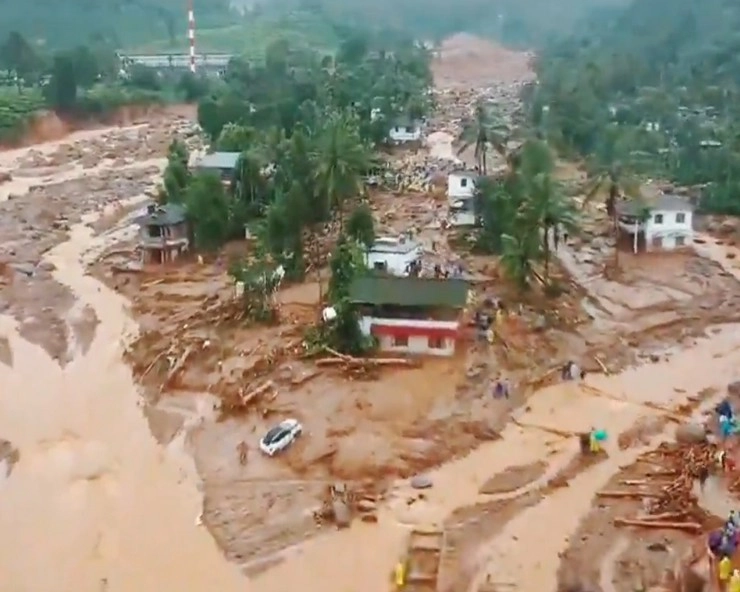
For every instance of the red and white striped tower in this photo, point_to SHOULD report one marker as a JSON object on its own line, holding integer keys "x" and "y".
{"x": 191, "y": 35}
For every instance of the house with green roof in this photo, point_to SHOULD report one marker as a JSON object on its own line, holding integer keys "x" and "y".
{"x": 413, "y": 315}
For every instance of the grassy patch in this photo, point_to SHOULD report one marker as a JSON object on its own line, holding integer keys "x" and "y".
{"x": 17, "y": 110}
{"x": 252, "y": 35}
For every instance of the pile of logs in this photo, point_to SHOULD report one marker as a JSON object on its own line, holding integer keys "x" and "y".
{"x": 674, "y": 506}
{"x": 362, "y": 368}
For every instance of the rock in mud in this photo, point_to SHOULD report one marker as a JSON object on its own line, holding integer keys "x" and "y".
{"x": 421, "y": 482}
{"x": 691, "y": 433}
{"x": 342, "y": 515}
{"x": 734, "y": 388}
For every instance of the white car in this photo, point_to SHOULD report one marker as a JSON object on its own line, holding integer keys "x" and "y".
{"x": 281, "y": 436}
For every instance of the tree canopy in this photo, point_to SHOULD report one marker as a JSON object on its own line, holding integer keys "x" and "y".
{"x": 652, "y": 90}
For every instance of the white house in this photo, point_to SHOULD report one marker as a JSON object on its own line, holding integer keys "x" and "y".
{"x": 665, "y": 223}
{"x": 461, "y": 185}
{"x": 461, "y": 197}
{"x": 393, "y": 255}
{"x": 411, "y": 315}
{"x": 403, "y": 132}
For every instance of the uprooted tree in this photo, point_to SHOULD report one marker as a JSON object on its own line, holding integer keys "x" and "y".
{"x": 342, "y": 332}
{"x": 257, "y": 285}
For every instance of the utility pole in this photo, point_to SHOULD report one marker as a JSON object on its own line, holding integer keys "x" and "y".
{"x": 191, "y": 35}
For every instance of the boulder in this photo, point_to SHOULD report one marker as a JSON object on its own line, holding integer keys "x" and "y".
{"x": 691, "y": 433}
{"x": 421, "y": 482}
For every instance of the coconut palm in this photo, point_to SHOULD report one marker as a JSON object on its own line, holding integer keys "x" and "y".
{"x": 341, "y": 160}
{"x": 483, "y": 132}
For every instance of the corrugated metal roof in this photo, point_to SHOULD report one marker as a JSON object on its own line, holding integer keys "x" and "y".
{"x": 667, "y": 203}
{"x": 219, "y": 160}
{"x": 393, "y": 245}
{"x": 165, "y": 215}
{"x": 409, "y": 291}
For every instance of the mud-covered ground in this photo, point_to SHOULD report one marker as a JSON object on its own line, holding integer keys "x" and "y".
{"x": 193, "y": 355}
{"x": 49, "y": 189}
{"x": 410, "y": 419}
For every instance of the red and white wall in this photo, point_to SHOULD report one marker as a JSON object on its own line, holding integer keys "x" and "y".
{"x": 413, "y": 336}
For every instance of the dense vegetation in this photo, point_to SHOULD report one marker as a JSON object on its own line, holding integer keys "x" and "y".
{"x": 307, "y": 126}
{"x": 527, "y": 23}
{"x": 121, "y": 23}
{"x": 653, "y": 91}
{"x": 85, "y": 81}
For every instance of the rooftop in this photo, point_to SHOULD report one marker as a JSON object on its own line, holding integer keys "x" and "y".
{"x": 465, "y": 173}
{"x": 663, "y": 202}
{"x": 409, "y": 291}
{"x": 387, "y": 244}
{"x": 219, "y": 160}
{"x": 166, "y": 215}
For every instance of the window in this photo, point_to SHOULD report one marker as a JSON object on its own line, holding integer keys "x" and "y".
{"x": 680, "y": 241}
{"x": 380, "y": 265}
{"x": 658, "y": 219}
{"x": 463, "y": 182}
{"x": 680, "y": 218}
{"x": 436, "y": 343}
{"x": 400, "y": 341}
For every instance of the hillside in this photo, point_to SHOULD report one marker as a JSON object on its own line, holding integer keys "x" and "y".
{"x": 654, "y": 88}
{"x": 121, "y": 22}
{"x": 527, "y": 23}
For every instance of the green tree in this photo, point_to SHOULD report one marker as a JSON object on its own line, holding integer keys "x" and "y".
{"x": 361, "y": 225}
{"x": 208, "y": 211}
{"x": 482, "y": 132}
{"x": 17, "y": 56}
{"x": 61, "y": 91}
{"x": 341, "y": 161}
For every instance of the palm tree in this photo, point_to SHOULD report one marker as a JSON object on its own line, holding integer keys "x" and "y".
{"x": 617, "y": 183}
{"x": 341, "y": 159}
{"x": 482, "y": 132}
{"x": 552, "y": 212}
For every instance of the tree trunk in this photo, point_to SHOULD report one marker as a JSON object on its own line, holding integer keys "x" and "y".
{"x": 317, "y": 261}
{"x": 616, "y": 241}
{"x": 547, "y": 254}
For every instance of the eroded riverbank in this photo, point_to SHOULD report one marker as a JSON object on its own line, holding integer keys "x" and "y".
{"x": 95, "y": 504}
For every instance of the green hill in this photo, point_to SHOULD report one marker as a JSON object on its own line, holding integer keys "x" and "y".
{"x": 121, "y": 22}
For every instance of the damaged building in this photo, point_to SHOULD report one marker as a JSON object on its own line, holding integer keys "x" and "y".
{"x": 163, "y": 233}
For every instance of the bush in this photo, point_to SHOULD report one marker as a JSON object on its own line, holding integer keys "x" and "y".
{"x": 16, "y": 111}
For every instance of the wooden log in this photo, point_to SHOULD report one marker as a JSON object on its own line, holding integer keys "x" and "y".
{"x": 664, "y": 516}
{"x": 692, "y": 527}
{"x": 253, "y": 394}
{"x": 626, "y": 494}
{"x": 604, "y": 369}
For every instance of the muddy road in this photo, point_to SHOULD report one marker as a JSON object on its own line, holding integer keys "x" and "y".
{"x": 109, "y": 489}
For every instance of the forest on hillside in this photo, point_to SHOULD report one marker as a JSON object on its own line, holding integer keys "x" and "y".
{"x": 653, "y": 91}
{"x": 162, "y": 24}
{"x": 120, "y": 22}
{"x": 524, "y": 23}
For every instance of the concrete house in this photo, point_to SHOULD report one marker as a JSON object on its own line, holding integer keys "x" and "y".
{"x": 461, "y": 197}
{"x": 222, "y": 164}
{"x": 395, "y": 256}
{"x": 405, "y": 131}
{"x": 411, "y": 315}
{"x": 664, "y": 223}
{"x": 163, "y": 233}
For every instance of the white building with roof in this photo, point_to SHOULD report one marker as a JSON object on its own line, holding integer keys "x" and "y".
{"x": 461, "y": 197}
{"x": 393, "y": 255}
{"x": 664, "y": 223}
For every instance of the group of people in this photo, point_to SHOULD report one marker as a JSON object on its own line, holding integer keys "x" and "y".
{"x": 723, "y": 544}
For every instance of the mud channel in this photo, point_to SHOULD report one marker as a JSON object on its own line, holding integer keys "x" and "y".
{"x": 110, "y": 487}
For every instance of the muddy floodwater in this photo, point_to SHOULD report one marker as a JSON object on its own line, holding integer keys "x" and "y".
{"x": 94, "y": 503}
